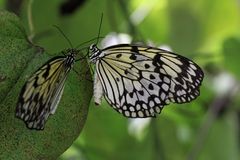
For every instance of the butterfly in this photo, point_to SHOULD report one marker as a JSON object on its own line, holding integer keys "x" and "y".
{"x": 138, "y": 81}
{"x": 42, "y": 92}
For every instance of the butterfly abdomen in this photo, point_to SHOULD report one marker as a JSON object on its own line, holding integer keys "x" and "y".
{"x": 98, "y": 90}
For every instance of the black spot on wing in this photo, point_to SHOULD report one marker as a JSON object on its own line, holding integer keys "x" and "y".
{"x": 133, "y": 57}
{"x": 141, "y": 92}
{"x": 46, "y": 73}
{"x": 156, "y": 60}
{"x": 135, "y": 49}
{"x": 150, "y": 86}
{"x": 131, "y": 94}
{"x": 147, "y": 66}
{"x": 152, "y": 76}
{"x": 118, "y": 55}
{"x": 35, "y": 84}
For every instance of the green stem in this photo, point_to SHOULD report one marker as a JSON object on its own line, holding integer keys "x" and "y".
{"x": 158, "y": 149}
{"x": 30, "y": 20}
{"x": 125, "y": 11}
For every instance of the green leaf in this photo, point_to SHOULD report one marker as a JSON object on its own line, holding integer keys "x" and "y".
{"x": 15, "y": 51}
{"x": 19, "y": 59}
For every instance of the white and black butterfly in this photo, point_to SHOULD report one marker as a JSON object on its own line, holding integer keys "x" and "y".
{"x": 137, "y": 81}
{"x": 42, "y": 92}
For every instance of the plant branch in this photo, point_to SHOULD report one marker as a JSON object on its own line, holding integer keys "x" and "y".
{"x": 30, "y": 21}
{"x": 158, "y": 150}
{"x": 126, "y": 14}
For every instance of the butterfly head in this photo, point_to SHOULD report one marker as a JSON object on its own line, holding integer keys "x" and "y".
{"x": 96, "y": 53}
{"x": 71, "y": 56}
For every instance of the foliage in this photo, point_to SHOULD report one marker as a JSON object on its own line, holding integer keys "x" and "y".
{"x": 19, "y": 58}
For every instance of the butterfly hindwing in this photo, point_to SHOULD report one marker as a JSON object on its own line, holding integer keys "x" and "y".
{"x": 138, "y": 81}
{"x": 185, "y": 75}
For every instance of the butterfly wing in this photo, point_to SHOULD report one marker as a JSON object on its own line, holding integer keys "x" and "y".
{"x": 138, "y": 81}
{"x": 185, "y": 75}
{"x": 41, "y": 93}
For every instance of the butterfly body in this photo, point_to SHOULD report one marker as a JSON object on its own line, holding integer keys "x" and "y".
{"x": 96, "y": 53}
{"x": 137, "y": 81}
{"x": 42, "y": 92}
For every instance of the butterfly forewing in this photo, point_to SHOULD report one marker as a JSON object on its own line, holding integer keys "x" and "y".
{"x": 138, "y": 81}
{"x": 41, "y": 93}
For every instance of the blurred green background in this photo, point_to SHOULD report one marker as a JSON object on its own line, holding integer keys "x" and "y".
{"x": 205, "y": 31}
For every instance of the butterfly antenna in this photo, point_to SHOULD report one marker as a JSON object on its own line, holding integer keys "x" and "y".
{"x": 99, "y": 29}
{"x": 59, "y": 29}
{"x": 88, "y": 41}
